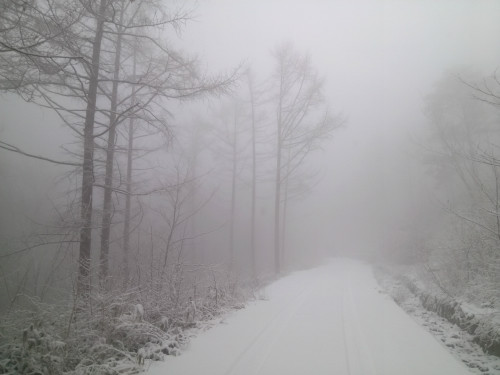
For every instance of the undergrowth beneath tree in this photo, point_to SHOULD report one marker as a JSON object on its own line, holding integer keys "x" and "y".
{"x": 115, "y": 333}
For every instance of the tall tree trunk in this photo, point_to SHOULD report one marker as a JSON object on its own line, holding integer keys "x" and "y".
{"x": 254, "y": 180}
{"x": 110, "y": 156}
{"x": 128, "y": 198}
{"x": 277, "y": 193}
{"x": 277, "y": 198}
{"x": 83, "y": 284}
{"x": 198, "y": 253}
{"x": 233, "y": 194}
{"x": 285, "y": 211}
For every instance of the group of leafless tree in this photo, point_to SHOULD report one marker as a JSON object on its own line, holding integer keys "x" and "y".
{"x": 135, "y": 214}
{"x": 108, "y": 73}
{"x": 127, "y": 253}
{"x": 265, "y": 132}
{"x": 460, "y": 250}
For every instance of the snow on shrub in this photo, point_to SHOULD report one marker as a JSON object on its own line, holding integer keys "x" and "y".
{"x": 114, "y": 334}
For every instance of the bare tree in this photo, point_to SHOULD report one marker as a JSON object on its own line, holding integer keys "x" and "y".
{"x": 462, "y": 156}
{"x": 252, "y": 92}
{"x": 83, "y": 66}
{"x": 88, "y": 156}
{"x": 168, "y": 75}
{"x": 228, "y": 129}
{"x": 301, "y": 122}
{"x": 128, "y": 183}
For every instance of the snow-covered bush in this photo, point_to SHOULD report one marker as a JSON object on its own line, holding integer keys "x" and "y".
{"x": 115, "y": 332}
{"x": 483, "y": 323}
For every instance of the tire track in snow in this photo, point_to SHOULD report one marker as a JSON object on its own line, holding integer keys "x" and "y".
{"x": 344, "y": 333}
{"x": 292, "y": 309}
{"x": 366, "y": 358}
{"x": 358, "y": 357}
{"x": 284, "y": 324}
{"x": 352, "y": 353}
{"x": 329, "y": 319}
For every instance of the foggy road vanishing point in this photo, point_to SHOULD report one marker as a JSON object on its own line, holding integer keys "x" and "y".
{"x": 330, "y": 320}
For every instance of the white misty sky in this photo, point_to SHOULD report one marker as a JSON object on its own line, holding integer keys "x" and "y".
{"x": 380, "y": 58}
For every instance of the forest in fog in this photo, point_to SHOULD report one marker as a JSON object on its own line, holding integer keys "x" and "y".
{"x": 160, "y": 161}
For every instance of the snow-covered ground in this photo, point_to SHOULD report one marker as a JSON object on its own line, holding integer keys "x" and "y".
{"x": 460, "y": 343}
{"x": 329, "y": 320}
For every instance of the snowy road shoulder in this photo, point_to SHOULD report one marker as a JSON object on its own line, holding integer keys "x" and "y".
{"x": 458, "y": 341}
{"x": 330, "y": 319}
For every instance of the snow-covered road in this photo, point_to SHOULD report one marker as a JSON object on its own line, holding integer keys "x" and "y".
{"x": 329, "y": 320}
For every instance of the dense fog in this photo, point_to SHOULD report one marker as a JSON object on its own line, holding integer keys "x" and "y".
{"x": 379, "y": 59}
{"x": 385, "y": 143}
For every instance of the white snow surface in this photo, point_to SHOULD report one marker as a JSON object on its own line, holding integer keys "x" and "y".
{"x": 329, "y": 320}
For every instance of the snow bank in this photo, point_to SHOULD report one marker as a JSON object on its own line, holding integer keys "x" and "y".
{"x": 485, "y": 330}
